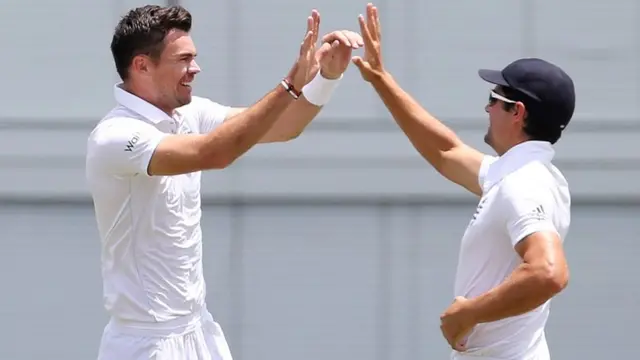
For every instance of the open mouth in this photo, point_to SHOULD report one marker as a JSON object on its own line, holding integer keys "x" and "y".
{"x": 187, "y": 85}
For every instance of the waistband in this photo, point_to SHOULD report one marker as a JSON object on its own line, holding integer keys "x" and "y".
{"x": 173, "y": 327}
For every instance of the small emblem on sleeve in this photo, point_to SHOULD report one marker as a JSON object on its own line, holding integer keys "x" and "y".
{"x": 539, "y": 212}
{"x": 132, "y": 142}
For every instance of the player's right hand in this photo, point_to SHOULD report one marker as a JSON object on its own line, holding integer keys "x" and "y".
{"x": 306, "y": 65}
{"x": 370, "y": 65}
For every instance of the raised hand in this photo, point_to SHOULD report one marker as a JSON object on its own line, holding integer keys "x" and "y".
{"x": 370, "y": 65}
{"x": 334, "y": 55}
{"x": 302, "y": 70}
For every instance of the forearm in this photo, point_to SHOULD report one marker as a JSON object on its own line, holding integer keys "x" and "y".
{"x": 525, "y": 289}
{"x": 428, "y": 135}
{"x": 238, "y": 134}
{"x": 293, "y": 121}
{"x": 299, "y": 114}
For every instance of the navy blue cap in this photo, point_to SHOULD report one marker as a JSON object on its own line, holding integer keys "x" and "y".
{"x": 546, "y": 83}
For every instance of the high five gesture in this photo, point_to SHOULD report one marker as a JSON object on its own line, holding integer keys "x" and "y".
{"x": 371, "y": 65}
{"x": 434, "y": 141}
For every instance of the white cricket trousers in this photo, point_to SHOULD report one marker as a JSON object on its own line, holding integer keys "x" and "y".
{"x": 196, "y": 337}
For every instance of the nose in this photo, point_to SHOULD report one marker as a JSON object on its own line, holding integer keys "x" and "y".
{"x": 194, "y": 68}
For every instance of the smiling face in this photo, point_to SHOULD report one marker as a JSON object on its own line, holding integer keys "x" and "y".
{"x": 167, "y": 78}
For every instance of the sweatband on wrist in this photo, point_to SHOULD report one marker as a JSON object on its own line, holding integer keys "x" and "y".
{"x": 319, "y": 90}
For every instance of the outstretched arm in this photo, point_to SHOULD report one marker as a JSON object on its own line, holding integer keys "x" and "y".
{"x": 438, "y": 144}
{"x": 332, "y": 60}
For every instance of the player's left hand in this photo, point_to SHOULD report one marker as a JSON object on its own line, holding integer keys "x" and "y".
{"x": 334, "y": 55}
{"x": 456, "y": 323}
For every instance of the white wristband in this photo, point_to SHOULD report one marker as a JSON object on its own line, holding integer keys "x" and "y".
{"x": 319, "y": 90}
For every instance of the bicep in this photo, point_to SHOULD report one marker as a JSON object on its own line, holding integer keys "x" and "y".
{"x": 542, "y": 252}
{"x": 531, "y": 218}
{"x": 463, "y": 165}
{"x": 182, "y": 154}
{"x": 542, "y": 248}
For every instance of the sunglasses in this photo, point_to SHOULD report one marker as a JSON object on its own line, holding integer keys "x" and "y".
{"x": 494, "y": 97}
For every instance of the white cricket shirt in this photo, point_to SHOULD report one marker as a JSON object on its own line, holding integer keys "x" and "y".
{"x": 149, "y": 226}
{"x": 523, "y": 193}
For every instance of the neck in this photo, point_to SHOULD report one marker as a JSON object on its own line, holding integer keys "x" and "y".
{"x": 510, "y": 145}
{"x": 142, "y": 93}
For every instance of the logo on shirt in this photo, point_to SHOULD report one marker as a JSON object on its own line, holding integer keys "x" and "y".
{"x": 132, "y": 142}
{"x": 478, "y": 209}
{"x": 538, "y": 213}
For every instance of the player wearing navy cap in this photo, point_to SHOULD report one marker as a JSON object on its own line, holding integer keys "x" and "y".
{"x": 511, "y": 260}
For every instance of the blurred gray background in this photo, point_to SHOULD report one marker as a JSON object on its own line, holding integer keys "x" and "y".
{"x": 343, "y": 243}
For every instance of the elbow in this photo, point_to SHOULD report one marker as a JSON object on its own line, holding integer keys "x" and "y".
{"x": 281, "y": 137}
{"x": 293, "y": 136}
{"x": 553, "y": 279}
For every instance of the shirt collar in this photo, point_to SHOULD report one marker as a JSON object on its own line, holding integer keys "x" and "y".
{"x": 141, "y": 106}
{"x": 517, "y": 157}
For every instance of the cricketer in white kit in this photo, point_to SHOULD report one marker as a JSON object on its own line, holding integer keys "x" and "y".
{"x": 143, "y": 167}
{"x": 511, "y": 260}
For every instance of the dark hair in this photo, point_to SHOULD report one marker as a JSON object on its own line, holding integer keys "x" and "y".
{"x": 538, "y": 121}
{"x": 143, "y": 30}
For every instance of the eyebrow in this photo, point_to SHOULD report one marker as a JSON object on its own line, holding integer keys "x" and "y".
{"x": 184, "y": 55}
